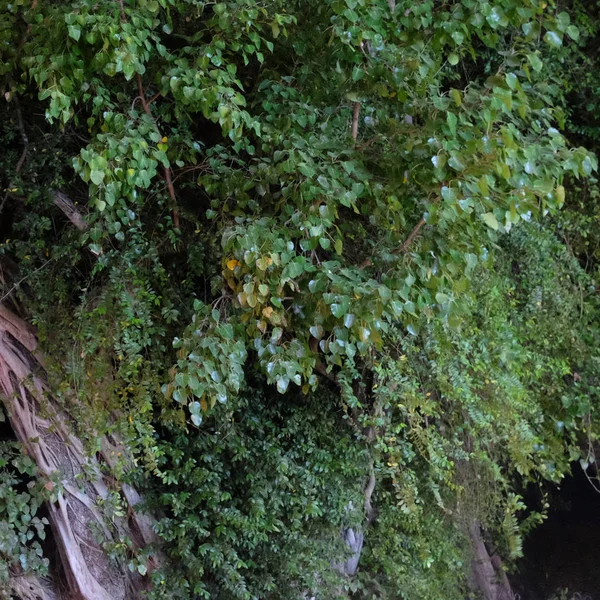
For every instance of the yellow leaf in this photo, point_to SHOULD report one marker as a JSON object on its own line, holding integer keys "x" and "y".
{"x": 232, "y": 263}
{"x": 267, "y": 312}
{"x": 165, "y": 139}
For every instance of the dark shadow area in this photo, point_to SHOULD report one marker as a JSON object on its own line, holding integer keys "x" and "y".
{"x": 564, "y": 552}
{"x": 6, "y": 431}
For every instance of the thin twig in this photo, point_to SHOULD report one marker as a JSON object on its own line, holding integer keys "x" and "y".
{"x": 146, "y": 106}
{"x": 200, "y": 167}
{"x": 413, "y": 234}
{"x": 355, "y": 115}
{"x": 123, "y": 15}
{"x": 405, "y": 246}
{"x": 21, "y": 124}
{"x": 16, "y": 285}
{"x": 155, "y": 97}
{"x": 28, "y": 30}
{"x": 366, "y": 144}
{"x": 167, "y": 170}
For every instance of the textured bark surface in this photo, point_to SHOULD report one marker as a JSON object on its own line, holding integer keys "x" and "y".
{"x": 28, "y": 587}
{"x": 488, "y": 575}
{"x": 355, "y": 538}
{"x": 42, "y": 426}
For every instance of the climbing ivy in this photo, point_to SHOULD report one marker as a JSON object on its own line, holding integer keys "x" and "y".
{"x": 22, "y": 528}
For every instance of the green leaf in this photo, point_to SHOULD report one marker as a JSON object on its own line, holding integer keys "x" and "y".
{"x": 553, "y": 39}
{"x": 512, "y": 81}
{"x": 535, "y": 62}
{"x": 275, "y": 28}
{"x": 74, "y": 32}
{"x": 452, "y": 120}
{"x": 456, "y": 96}
{"x": 339, "y": 309}
{"x": 573, "y": 32}
{"x": 97, "y": 177}
{"x": 282, "y": 385}
{"x": 490, "y": 220}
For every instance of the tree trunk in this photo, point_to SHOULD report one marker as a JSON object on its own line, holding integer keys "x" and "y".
{"x": 42, "y": 426}
{"x": 488, "y": 576}
{"x": 29, "y": 587}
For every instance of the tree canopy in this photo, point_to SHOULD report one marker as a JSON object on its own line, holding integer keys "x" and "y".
{"x": 308, "y": 287}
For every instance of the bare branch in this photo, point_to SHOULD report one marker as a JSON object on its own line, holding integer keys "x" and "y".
{"x": 413, "y": 234}
{"x": 405, "y": 246}
{"x": 67, "y": 206}
{"x": 369, "y": 510}
{"x": 355, "y": 115}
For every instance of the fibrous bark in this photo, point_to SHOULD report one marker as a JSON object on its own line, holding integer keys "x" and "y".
{"x": 78, "y": 524}
{"x": 488, "y": 575}
{"x": 29, "y": 587}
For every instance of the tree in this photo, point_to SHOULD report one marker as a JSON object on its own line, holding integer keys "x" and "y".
{"x": 205, "y": 201}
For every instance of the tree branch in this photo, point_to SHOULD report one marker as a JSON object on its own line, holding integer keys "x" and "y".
{"x": 369, "y": 510}
{"x": 322, "y": 370}
{"x": 67, "y": 206}
{"x": 167, "y": 170}
{"x": 413, "y": 234}
{"x": 404, "y": 247}
{"x": 355, "y": 115}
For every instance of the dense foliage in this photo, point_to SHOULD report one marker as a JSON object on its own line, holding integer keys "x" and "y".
{"x": 328, "y": 266}
{"x": 21, "y": 529}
